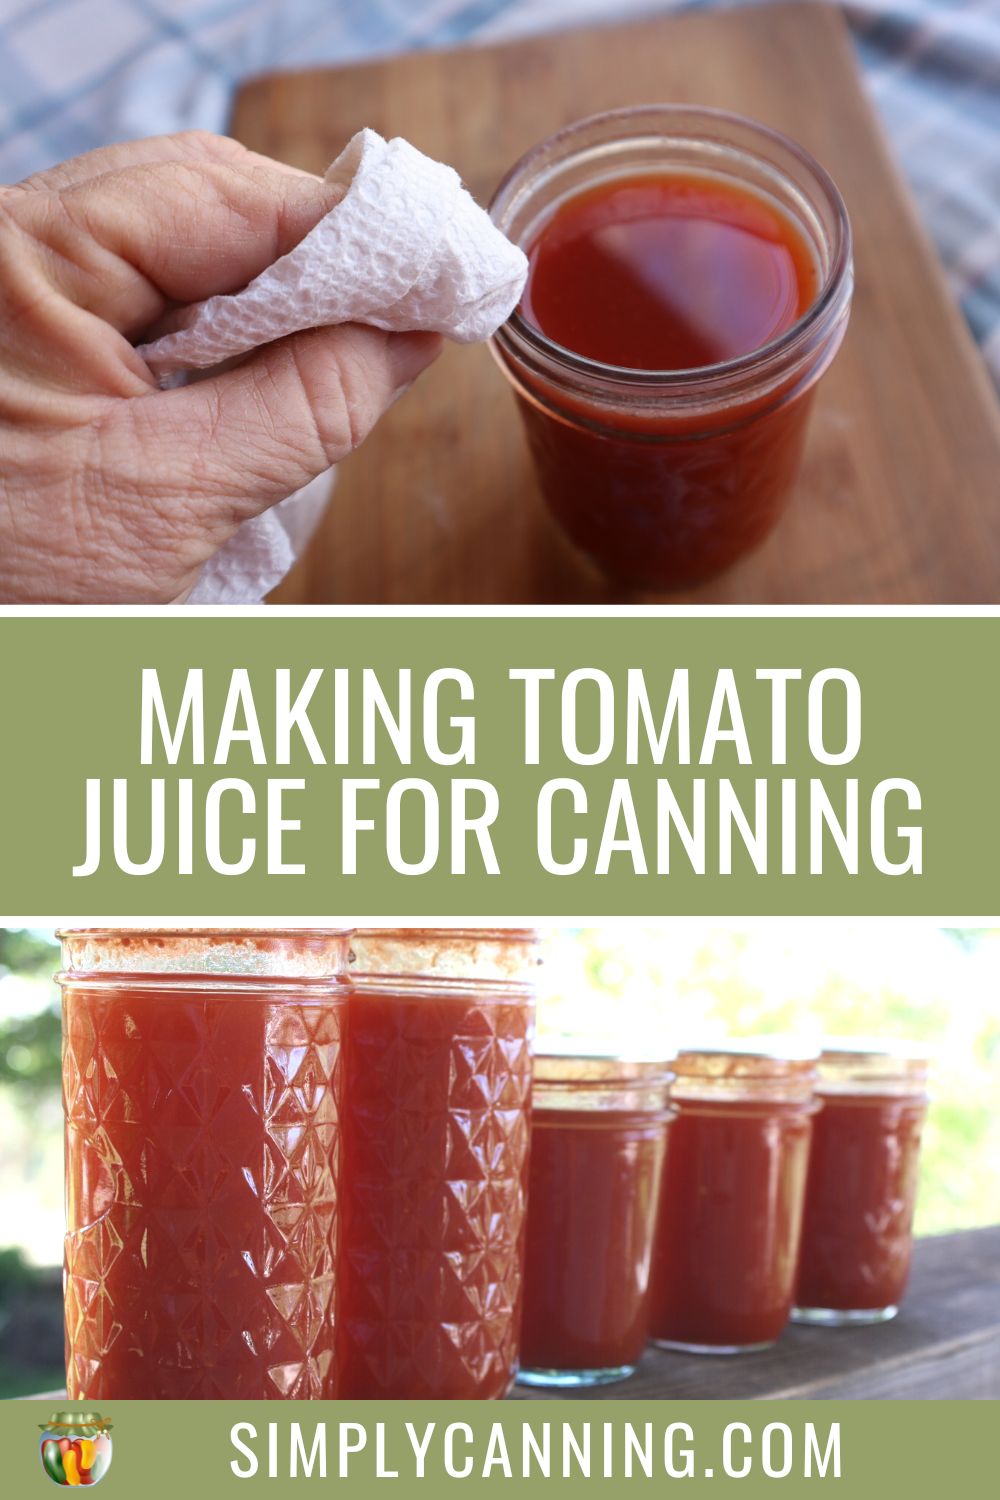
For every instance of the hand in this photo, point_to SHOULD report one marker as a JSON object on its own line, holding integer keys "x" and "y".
{"x": 112, "y": 491}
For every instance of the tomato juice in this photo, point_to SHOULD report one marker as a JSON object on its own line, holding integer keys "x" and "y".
{"x": 595, "y": 1181}
{"x": 689, "y": 281}
{"x": 862, "y": 1185}
{"x": 436, "y": 1138}
{"x": 202, "y": 1155}
{"x": 730, "y": 1217}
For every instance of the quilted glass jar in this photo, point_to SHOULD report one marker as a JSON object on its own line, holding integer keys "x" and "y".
{"x": 438, "y": 1085}
{"x": 202, "y": 1082}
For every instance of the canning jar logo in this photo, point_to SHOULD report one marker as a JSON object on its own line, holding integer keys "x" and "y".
{"x": 76, "y": 1447}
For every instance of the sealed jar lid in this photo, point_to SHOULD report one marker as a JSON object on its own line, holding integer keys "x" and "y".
{"x": 762, "y": 1067}
{"x": 875, "y": 1065}
{"x": 494, "y": 954}
{"x": 645, "y": 1052}
{"x": 316, "y": 953}
{"x": 80, "y": 1423}
{"x": 587, "y": 1079}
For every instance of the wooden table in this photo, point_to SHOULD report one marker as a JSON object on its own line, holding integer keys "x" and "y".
{"x": 898, "y": 497}
{"x": 944, "y": 1344}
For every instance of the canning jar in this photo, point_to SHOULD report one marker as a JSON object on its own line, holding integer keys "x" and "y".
{"x": 861, "y": 1191}
{"x": 664, "y": 476}
{"x": 598, "y": 1128}
{"x": 202, "y": 1080}
{"x": 730, "y": 1217}
{"x": 440, "y": 1027}
{"x": 76, "y": 1447}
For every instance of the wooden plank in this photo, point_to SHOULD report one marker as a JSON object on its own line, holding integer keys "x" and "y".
{"x": 898, "y": 497}
{"x": 944, "y": 1344}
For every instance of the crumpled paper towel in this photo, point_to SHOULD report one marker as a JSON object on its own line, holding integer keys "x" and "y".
{"x": 405, "y": 248}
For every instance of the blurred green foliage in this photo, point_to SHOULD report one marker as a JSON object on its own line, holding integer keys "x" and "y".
{"x": 30, "y": 1051}
{"x": 673, "y": 982}
{"x": 30, "y": 1045}
{"x": 15, "y": 1277}
{"x": 31, "y": 1354}
{"x": 27, "y": 952}
{"x": 31, "y": 1327}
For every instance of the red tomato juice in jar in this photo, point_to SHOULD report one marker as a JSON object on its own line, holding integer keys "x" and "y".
{"x": 436, "y": 1149}
{"x": 668, "y": 271}
{"x": 598, "y": 1132}
{"x": 857, "y": 1235}
{"x": 689, "y": 282}
{"x": 727, "y": 1241}
{"x": 202, "y": 1080}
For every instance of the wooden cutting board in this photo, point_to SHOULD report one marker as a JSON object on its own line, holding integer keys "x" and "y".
{"x": 899, "y": 499}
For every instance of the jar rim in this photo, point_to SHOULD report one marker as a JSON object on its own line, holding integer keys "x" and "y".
{"x": 117, "y": 933}
{"x": 485, "y": 988}
{"x": 777, "y": 1049}
{"x": 483, "y": 954}
{"x": 580, "y": 1049}
{"x": 702, "y": 378}
{"x": 211, "y": 954}
{"x": 514, "y": 934}
{"x": 622, "y": 1068}
{"x": 272, "y": 987}
{"x": 873, "y": 1066}
{"x": 860, "y": 1049}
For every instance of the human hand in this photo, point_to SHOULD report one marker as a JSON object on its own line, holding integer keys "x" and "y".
{"x": 112, "y": 491}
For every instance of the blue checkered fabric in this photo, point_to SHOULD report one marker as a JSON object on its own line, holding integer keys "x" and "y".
{"x": 75, "y": 74}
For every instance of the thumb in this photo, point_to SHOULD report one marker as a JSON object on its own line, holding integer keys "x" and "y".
{"x": 246, "y": 438}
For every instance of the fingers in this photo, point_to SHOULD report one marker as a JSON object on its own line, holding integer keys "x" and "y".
{"x": 187, "y": 145}
{"x": 195, "y": 230}
{"x": 127, "y": 242}
{"x": 256, "y": 433}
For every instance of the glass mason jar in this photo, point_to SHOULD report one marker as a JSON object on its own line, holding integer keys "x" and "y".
{"x": 730, "y": 1218}
{"x": 857, "y": 1235}
{"x": 202, "y": 1082}
{"x": 664, "y": 478}
{"x": 440, "y": 1028}
{"x": 598, "y": 1129}
{"x": 76, "y": 1447}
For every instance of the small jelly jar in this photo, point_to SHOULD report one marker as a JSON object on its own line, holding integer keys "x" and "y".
{"x": 857, "y": 1235}
{"x": 202, "y": 1082}
{"x": 665, "y": 477}
{"x": 599, "y": 1126}
{"x": 437, "y": 1126}
{"x": 730, "y": 1217}
{"x": 76, "y": 1447}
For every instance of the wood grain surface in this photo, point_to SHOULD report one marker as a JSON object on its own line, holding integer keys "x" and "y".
{"x": 945, "y": 1344}
{"x": 899, "y": 499}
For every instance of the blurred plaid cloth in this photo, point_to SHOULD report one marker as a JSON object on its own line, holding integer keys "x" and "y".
{"x": 75, "y": 74}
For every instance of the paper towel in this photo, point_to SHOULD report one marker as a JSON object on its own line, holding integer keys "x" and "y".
{"x": 264, "y": 548}
{"x": 405, "y": 248}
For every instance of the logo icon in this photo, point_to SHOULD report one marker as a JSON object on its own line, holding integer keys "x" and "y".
{"x": 76, "y": 1447}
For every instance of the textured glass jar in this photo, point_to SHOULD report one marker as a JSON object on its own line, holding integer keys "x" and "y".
{"x": 202, "y": 1081}
{"x": 598, "y": 1128}
{"x": 664, "y": 478}
{"x": 436, "y": 1136}
{"x": 730, "y": 1217}
{"x": 857, "y": 1235}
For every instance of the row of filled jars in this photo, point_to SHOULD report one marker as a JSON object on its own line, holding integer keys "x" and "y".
{"x": 326, "y": 1164}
